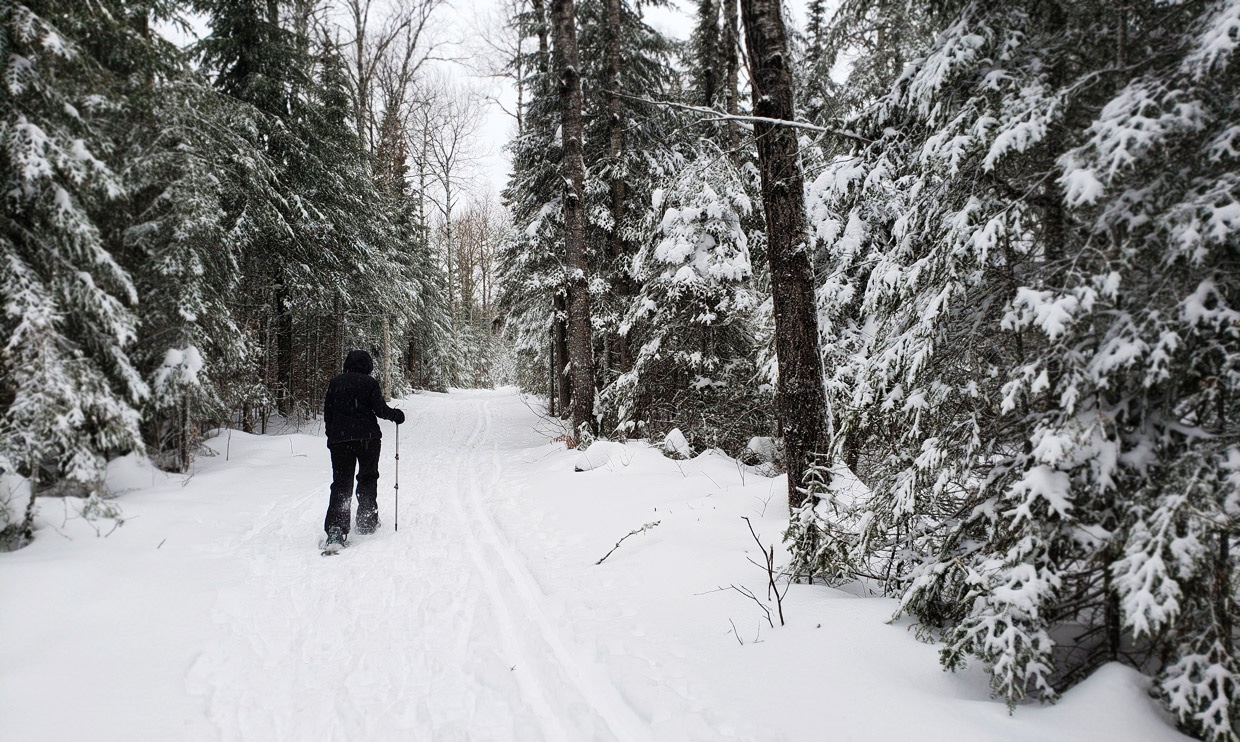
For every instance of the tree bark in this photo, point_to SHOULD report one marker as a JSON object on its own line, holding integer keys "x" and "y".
{"x": 615, "y": 149}
{"x": 801, "y": 393}
{"x": 580, "y": 348}
{"x": 284, "y": 350}
{"x": 559, "y": 352}
{"x": 730, "y": 75}
{"x": 552, "y": 394}
{"x": 540, "y": 14}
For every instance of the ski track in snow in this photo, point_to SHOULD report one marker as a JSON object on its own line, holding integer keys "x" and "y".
{"x": 437, "y": 631}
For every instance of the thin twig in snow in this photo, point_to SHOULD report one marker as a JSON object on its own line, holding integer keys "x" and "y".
{"x": 772, "y": 588}
{"x": 633, "y": 532}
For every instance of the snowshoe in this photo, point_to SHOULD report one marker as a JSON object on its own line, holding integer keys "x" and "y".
{"x": 335, "y": 542}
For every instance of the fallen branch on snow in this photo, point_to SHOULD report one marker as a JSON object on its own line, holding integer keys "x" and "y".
{"x": 633, "y": 532}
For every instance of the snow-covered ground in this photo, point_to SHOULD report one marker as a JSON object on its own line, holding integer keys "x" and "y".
{"x": 209, "y": 613}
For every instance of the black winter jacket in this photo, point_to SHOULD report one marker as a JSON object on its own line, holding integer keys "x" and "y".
{"x": 354, "y": 400}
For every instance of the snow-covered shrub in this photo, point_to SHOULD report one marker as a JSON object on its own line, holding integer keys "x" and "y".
{"x": 821, "y": 538}
{"x": 1029, "y": 307}
{"x": 763, "y": 449}
{"x": 14, "y": 502}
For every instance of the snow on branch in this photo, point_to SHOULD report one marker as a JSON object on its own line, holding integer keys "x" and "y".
{"x": 717, "y": 115}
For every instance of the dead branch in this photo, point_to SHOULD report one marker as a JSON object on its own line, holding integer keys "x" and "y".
{"x": 771, "y": 587}
{"x": 720, "y": 116}
{"x": 736, "y": 633}
{"x": 633, "y": 532}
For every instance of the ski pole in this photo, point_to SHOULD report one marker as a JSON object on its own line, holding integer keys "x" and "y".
{"x": 396, "y": 486}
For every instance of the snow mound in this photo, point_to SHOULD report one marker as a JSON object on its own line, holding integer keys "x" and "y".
{"x": 601, "y": 454}
{"x": 676, "y": 445}
{"x": 133, "y": 471}
{"x": 763, "y": 450}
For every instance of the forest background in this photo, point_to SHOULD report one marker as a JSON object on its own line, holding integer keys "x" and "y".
{"x": 1016, "y": 224}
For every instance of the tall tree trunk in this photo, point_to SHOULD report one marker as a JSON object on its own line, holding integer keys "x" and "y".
{"x": 540, "y": 14}
{"x": 552, "y": 387}
{"x": 423, "y": 166}
{"x": 573, "y": 168}
{"x": 448, "y": 246}
{"x": 560, "y": 353}
{"x": 284, "y": 350}
{"x": 801, "y": 394}
{"x": 730, "y": 75}
{"x": 615, "y": 149}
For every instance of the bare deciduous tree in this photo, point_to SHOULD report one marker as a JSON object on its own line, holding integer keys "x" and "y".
{"x": 400, "y": 39}
{"x": 497, "y": 49}
{"x": 454, "y": 160}
{"x": 476, "y": 238}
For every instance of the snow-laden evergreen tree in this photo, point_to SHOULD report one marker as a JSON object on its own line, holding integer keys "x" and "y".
{"x": 182, "y": 149}
{"x": 630, "y": 145}
{"x": 692, "y": 321}
{"x": 874, "y": 37}
{"x": 68, "y": 390}
{"x": 1029, "y": 306}
{"x": 253, "y": 60}
{"x": 426, "y": 324}
{"x": 531, "y": 266}
{"x": 175, "y": 241}
{"x": 323, "y": 266}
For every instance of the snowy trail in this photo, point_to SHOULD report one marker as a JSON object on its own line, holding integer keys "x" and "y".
{"x": 487, "y": 617}
{"x": 437, "y": 631}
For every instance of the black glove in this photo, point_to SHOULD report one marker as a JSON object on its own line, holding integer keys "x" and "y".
{"x": 398, "y": 416}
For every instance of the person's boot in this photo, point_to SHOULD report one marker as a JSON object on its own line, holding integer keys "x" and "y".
{"x": 335, "y": 540}
{"x": 367, "y": 523}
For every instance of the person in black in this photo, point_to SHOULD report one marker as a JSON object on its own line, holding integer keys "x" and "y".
{"x": 350, "y": 410}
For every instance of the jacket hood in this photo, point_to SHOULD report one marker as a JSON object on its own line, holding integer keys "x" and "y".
{"x": 359, "y": 361}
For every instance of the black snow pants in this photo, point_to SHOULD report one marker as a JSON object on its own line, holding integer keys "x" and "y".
{"x": 348, "y": 457}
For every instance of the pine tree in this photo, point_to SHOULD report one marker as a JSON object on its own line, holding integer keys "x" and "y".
{"x": 531, "y": 266}
{"x": 693, "y": 318}
{"x": 630, "y": 145}
{"x": 70, "y": 390}
{"x": 1029, "y": 305}
{"x": 324, "y": 257}
{"x": 180, "y": 162}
